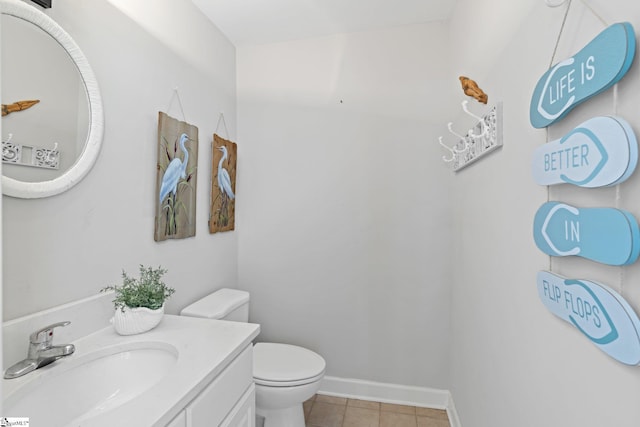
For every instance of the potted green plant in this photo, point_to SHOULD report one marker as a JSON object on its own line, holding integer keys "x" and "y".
{"x": 139, "y": 303}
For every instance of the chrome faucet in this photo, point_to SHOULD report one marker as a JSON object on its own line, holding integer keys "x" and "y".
{"x": 41, "y": 352}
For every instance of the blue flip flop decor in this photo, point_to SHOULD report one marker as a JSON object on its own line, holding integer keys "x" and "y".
{"x": 602, "y": 151}
{"x": 595, "y": 68}
{"x": 606, "y": 235}
{"x": 597, "y": 311}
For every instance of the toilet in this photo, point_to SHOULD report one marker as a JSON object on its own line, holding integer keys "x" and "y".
{"x": 285, "y": 375}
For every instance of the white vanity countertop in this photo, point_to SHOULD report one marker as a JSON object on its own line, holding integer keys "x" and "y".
{"x": 205, "y": 347}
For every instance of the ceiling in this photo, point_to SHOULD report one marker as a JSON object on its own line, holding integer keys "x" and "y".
{"x": 247, "y": 22}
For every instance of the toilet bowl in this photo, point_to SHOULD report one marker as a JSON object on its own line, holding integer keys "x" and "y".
{"x": 285, "y": 375}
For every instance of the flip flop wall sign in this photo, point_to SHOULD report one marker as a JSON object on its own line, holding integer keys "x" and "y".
{"x": 598, "y": 66}
{"x": 606, "y": 235}
{"x": 600, "y": 152}
{"x": 599, "y": 312}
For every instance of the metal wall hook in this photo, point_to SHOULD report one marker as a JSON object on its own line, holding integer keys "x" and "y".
{"x": 449, "y": 126}
{"x": 463, "y": 149}
{"x": 483, "y": 125}
{"x": 462, "y": 138}
{"x": 453, "y": 153}
{"x": 465, "y": 107}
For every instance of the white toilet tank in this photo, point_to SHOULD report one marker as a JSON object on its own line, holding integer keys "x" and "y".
{"x": 223, "y": 304}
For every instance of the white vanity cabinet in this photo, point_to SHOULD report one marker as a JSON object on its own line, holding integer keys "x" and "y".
{"x": 202, "y": 376}
{"x": 244, "y": 413}
{"x": 179, "y": 421}
{"x": 228, "y": 401}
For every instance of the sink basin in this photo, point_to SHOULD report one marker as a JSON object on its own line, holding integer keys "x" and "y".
{"x": 81, "y": 387}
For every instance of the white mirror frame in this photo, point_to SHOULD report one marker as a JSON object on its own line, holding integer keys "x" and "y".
{"x": 89, "y": 155}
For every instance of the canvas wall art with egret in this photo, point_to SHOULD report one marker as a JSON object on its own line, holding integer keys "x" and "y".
{"x": 176, "y": 180}
{"x": 223, "y": 185}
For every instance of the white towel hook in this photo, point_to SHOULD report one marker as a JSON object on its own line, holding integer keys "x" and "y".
{"x": 453, "y": 153}
{"x": 449, "y": 125}
{"x": 465, "y": 107}
{"x": 483, "y": 126}
{"x": 464, "y": 139}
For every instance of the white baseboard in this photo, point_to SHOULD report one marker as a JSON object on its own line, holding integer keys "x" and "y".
{"x": 454, "y": 420}
{"x": 391, "y": 393}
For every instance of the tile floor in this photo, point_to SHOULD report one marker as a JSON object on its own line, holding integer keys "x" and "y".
{"x": 328, "y": 411}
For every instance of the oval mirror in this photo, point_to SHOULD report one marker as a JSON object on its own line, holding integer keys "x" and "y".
{"x": 58, "y": 138}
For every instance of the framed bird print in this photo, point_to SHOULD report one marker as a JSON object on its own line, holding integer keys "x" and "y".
{"x": 175, "y": 195}
{"x": 223, "y": 185}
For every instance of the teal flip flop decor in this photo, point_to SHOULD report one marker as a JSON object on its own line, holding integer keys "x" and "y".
{"x": 598, "y": 66}
{"x": 597, "y": 311}
{"x": 606, "y": 235}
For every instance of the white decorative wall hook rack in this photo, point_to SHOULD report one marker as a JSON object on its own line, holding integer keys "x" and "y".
{"x": 483, "y": 138}
{"x": 453, "y": 153}
{"x": 30, "y": 155}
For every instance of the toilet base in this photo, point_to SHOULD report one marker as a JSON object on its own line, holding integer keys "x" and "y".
{"x": 287, "y": 417}
{"x": 282, "y": 406}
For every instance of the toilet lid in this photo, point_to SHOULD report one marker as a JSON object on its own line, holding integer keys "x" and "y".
{"x": 284, "y": 363}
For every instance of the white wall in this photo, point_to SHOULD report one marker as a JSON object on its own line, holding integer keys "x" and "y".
{"x": 344, "y": 228}
{"x": 344, "y": 233}
{"x": 1, "y": 261}
{"x": 513, "y": 362}
{"x": 69, "y": 246}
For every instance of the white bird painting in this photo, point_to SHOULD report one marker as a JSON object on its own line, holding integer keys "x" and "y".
{"x": 175, "y": 195}
{"x": 223, "y": 194}
{"x": 175, "y": 171}
{"x": 224, "y": 181}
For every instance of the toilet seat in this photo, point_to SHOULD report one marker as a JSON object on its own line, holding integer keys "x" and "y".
{"x": 285, "y": 365}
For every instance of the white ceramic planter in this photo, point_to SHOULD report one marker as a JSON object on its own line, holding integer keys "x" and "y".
{"x": 136, "y": 320}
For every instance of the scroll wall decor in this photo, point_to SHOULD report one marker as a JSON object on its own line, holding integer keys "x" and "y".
{"x": 176, "y": 179}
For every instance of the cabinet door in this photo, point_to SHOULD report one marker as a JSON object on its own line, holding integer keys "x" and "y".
{"x": 217, "y": 400}
{"x": 244, "y": 413}
{"x": 179, "y": 421}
